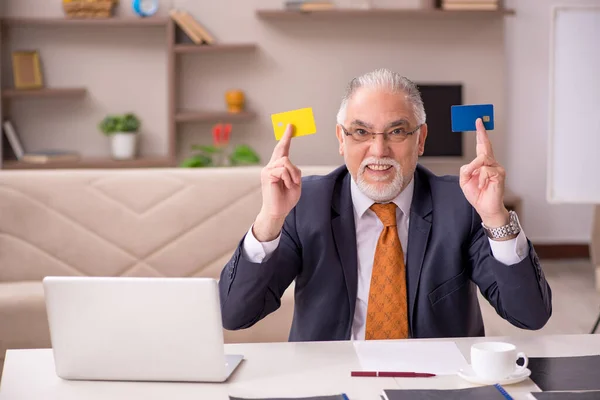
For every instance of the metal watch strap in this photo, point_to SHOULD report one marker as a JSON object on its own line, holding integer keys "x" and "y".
{"x": 512, "y": 228}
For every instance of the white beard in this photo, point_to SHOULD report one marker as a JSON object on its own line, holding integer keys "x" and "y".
{"x": 384, "y": 192}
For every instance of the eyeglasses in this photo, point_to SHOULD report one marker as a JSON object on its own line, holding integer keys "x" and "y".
{"x": 396, "y": 135}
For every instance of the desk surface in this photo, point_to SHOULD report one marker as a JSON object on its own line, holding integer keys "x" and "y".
{"x": 270, "y": 369}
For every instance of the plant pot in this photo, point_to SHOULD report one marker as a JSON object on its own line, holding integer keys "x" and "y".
{"x": 124, "y": 145}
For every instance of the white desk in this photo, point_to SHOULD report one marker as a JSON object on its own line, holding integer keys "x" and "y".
{"x": 272, "y": 369}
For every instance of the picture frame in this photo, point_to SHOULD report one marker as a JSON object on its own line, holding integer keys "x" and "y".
{"x": 27, "y": 71}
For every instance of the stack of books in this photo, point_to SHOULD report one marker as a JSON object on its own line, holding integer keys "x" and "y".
{"x": 470, "y": 5}
{"x": 308, "y": 5}
{"x": 36, "y": 157}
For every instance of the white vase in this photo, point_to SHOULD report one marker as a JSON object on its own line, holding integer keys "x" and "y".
{"x": 124, "y": 145}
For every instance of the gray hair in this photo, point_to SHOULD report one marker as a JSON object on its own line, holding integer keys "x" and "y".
{"x": 385, "y": 79}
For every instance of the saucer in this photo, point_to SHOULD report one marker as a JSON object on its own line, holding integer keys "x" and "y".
{"x": 516, "y": 377}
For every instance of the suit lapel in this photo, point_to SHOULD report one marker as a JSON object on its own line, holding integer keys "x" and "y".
{"x": 418, "y": 236}
{"x": 344, "y": 236}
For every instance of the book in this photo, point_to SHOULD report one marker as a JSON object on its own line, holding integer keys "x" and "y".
{"x": 47, "y": 156}
{"x": 296, "y": 5}
{"x": 13, "y": 139}
{"x": 200, "y": 30}
{"x": 470, "y": 6}
{"x": 332, "y": 397}
{"x": 565, "y": 373}
{"x": 471, "y": 1}
{"x": 36, "y": 157}
{"x": 488, "y": 392}
{"x": 591, "y": 395}
{"x": 181, "y": 21}
{"x": 316, "y": 7}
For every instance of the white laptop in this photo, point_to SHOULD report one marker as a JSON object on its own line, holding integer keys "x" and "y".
{"x": 137, "y": 329}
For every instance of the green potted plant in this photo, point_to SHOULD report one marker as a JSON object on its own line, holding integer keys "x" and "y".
{"x": 123, "y": 131}
{"x": 213, "y": 156}
{"x": 218, "y": 154}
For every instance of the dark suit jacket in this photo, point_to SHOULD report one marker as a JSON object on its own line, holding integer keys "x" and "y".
{"x": 448, "y": 257}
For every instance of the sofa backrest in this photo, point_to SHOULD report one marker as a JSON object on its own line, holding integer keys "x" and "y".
{"x": 134, "y": 222}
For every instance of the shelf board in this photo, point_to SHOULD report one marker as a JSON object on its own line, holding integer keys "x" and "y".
{"x": 212, "y": 116}
{"x": 108, "y": 22}
{"x": 342, "y": 13}
{"x": 221, "y": 47}
{"x": 100, "y": 163}
{"x": 45, "y": 92}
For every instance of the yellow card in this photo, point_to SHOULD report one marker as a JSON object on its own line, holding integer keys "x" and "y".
{"x": 302, "y": 119}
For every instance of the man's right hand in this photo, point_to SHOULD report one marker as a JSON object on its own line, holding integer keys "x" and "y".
{"x": 281, "y": 183}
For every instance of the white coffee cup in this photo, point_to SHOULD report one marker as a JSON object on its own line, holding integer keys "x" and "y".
{"x": 496, "y": 360}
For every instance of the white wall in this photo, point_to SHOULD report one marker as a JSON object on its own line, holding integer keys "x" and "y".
{"x": 528, "y": 58}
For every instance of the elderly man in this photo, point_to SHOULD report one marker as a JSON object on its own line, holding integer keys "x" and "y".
{"x": 381, "y": 248}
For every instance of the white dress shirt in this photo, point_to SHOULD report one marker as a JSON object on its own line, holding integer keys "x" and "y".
{"x": 368, "y": 228}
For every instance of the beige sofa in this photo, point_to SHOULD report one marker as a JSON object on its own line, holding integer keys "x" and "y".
{"x": 146, "y": 222}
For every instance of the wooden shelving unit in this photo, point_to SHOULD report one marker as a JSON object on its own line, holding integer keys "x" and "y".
{"x": 144, "y": 162}
{"x": 212, "y": 116}
{"x": 87, "y": 22}
{"x": 217, "y": 48}
{"x": 42, "y": 93}
{"x": 175, "y": 115}
{"x": 341, "y": 13}
{"x": 178, "y": 114}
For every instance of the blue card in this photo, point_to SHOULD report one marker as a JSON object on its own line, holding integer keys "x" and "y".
{"x": 464, "y": 117}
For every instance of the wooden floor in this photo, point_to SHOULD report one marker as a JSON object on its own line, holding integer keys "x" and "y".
{"x": 575, "y": 302}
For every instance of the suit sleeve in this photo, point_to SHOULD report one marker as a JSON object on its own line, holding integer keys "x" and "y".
{"x": 510, "y": 251}
{"x": 249, "y": 291}
{"x": 519, "y": 292}
{"x": 255, "y": 251}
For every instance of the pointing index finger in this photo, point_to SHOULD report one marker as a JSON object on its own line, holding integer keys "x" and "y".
{"x": 484, "y": 145}
{"x": 283, "y": 147}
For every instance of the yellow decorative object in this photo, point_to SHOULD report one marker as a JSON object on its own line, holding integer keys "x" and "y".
{"x": 89, "y": 8}
{"x": 235, "y": 101}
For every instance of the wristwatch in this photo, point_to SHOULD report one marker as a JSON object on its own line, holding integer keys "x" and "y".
{"x": 511, "y": 229}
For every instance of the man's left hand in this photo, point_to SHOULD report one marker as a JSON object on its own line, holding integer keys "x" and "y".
{"x": 482, "y": 182}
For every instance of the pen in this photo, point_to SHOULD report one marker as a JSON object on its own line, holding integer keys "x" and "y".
{"x": 386, "y": 374}
{"x": 504, "y": 393}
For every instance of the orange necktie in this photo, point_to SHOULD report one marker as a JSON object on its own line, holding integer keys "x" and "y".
{"x": 387, "y": 315}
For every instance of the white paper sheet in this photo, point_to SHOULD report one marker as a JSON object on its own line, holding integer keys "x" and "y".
{"x": 440, "y": 358}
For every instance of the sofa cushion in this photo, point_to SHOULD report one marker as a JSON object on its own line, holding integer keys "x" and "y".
{"x": 23, "y": 315}
{"x": 150, "y": 222}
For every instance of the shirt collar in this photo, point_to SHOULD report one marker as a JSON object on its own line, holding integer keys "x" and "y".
{"x": 362, "y": 203}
